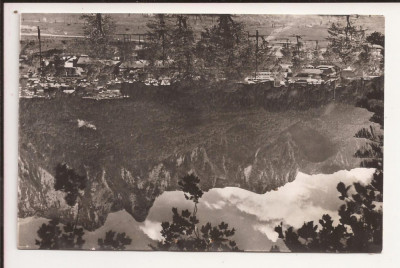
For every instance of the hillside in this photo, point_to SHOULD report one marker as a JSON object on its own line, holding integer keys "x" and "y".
{"x": 311, "y": 27}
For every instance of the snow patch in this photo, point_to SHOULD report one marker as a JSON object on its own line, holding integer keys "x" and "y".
{"x": 247, "y": 172}
{"x": 179, "y": 161}
{"x": 152, "y": 229}
{"x": 83, "y": 123}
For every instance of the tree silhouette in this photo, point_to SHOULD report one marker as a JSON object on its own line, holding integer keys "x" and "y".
{"x": 114, "y": 241}
{"x": 345, "y": 43}
{"x": 349, "y": 47}
{"x": 376, "y": 38}
{"x": 183, "y": 234}
{"x": 189, "y": 185}
{"x": 159, "y": 38}
{"x": 70, "y": 236}
{"x": 183, "y": 46}
{"x": 53, "y": 237}
{"x": 98, "y": 28}
{"x": 224, "y": 48}
{"x": 69, "y": 182}
{"x": 275, "y": 248}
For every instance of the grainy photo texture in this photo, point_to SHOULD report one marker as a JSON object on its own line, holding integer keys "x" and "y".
{"x": 208, "y": 132}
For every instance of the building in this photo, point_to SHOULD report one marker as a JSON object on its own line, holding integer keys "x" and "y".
{"x": 375, "y": 50}
{"x": 328, "y": 70}
{"x": 73, "y": 71}
{"x": 71, "y": 62}
{"x": 133, "y": 65}
{"x": 83, "y": 61}
{"x": 348, "y": 73}
{"x": 308, "y": 76}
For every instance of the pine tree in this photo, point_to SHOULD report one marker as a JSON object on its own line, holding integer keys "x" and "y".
{"x": 345, "y": 43}
{"x": 69, "y": 182}
{"x": 70, "y": 237}
{"x": 98, "y": 28}
{"x": 114, "y": 241}
{"x": 183, "y": 234}
{"x": 72, "y": 184}
{"x": 224, "y": 49}
{"x": 376, "y": 38}
{"x": 53, "y": 237}
{"x": 183, "y": 46}
{"x": 160, "y": 39}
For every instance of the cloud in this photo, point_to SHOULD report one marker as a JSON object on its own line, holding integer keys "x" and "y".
{"x": 267, "y": 230}
{"x": 152, "y": 229}
{"x": 305, "y": 199}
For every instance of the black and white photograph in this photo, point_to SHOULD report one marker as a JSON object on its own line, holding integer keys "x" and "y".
{"x": 201, "y": 132}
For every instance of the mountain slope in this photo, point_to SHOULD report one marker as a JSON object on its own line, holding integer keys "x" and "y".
{"x": 134, "y": 149}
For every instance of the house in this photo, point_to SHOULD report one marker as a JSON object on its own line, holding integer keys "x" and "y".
{"x": 73, "y": 71}
{"x": 163, "y": 63}
{"x": 348, "y": 73}
{"x": 375, "y": 50}
{"x": 311, "y": 71}
{"x": 266, "y": 76}
{"x": 327, "y": 70}
{"x": 277, "y": 50}
{"x": 133, "y": 65}
{"x": 83, "y": 61}
{"x": 259, "y": 77}
{"x": 139, "y": 47}
{"x": 308, "y": 76}
{"x": 71, "y": 62}
{"x": 110, "y": 62}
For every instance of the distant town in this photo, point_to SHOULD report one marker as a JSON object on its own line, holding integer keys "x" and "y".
{"x": 103, "y": 64}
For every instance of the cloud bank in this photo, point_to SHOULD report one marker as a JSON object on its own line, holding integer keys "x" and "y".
{"x": 254, "y": 216}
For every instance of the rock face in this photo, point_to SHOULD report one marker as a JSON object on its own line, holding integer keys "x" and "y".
{"x": 128, "y": 165}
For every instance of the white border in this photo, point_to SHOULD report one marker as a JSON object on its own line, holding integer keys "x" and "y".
{"x": 60, "y": 259}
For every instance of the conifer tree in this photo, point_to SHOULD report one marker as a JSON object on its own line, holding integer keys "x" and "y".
{"x": 345, "y": 43}
{"x": 224, "y": 49}
{"x": 98, "y": 28}
{"x": 159, "y": 41}
{"x": 114, "y": 241}
{"x": 183, "y": 234}
{"x": 52, "y": 236}
{"x": 70, "y": 236}
{"x": 183, "y": 46}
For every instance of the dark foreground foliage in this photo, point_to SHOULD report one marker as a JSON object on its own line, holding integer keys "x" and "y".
{"x": 183, "y": 233}
{"x": 69, "y": 182}
{"x": 114, "y": 241}
{"x": 52, "y": 236}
